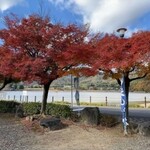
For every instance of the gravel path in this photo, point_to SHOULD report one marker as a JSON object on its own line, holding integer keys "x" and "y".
{"x": 15, "y": 136}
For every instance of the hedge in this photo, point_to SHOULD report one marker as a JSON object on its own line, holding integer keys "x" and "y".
{"x": 30, "y": 108}
{"x": 58, "y": 110}
{"x": 8, "y": 106}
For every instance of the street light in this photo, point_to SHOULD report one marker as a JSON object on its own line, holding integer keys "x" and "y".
{"x": 124, "y": 98}
{"x": 121, "y": 31}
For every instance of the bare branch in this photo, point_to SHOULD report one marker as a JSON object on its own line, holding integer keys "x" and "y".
{"x": 138, "y": 77}
{"x": 118, "y": 81}
{"x": 132, "y": 69}
{"x": 6, "y": 81}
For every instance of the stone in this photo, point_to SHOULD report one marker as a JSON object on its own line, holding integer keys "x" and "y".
{"x": 52, "y": 123}
{"x": 144, "y": 128}
{"x": 133, "y": 127}
{"x": 19, "y": 111}
{"x": 29, "y": 118}
{"x": 90, "y": 116}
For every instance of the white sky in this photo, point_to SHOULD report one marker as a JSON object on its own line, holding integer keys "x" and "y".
{"x": 5, "y": 4}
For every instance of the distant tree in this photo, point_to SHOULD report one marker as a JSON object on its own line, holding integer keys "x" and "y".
{"x": 43, "y": 51}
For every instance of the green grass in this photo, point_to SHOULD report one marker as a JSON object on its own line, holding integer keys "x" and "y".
{"x": 135, "y": 105}
{"x": 61, "y": 102}
{"x": 92, "y": 104}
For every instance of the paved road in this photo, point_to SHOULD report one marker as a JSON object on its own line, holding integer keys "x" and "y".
{"x": 133, "y": 112}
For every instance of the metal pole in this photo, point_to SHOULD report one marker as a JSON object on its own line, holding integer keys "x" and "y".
{"x": 71, "y": 91}
{"x": 76, "y": 86}
{"x": 124, "y": 106}
{"x": 124, "y": 97}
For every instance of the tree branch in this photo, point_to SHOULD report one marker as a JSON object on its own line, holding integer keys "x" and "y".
{"x": 118, "y": 81}
{"x": 138, "y": 77}
{"x": 6, "y": 81}
{"x": 132, "y": 69}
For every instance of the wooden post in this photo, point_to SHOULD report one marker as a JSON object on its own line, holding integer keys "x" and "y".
{"x": 90, "y": 99}
{"x": 62, "y": 99}
{"x": 52, "y": 99}
{"x": 106, "y": 100}
{"x": 20, "y": 98}
{"x": 145, "y": 101}
{"x": 27, "y": 99}
{"x": 35, "y": 99}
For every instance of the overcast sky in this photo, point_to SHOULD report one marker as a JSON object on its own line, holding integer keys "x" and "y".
{"x": 102, "y": 15}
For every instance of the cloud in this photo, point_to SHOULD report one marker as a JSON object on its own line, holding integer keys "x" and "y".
{"x": 107, "y": 15}
{"x": 6, "y": 4}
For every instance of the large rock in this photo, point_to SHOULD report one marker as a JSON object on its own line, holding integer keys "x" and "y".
{"x": 133, "y": 127}
{"x": 90, "y": 116}
{"x": 144, "y": 128}
{"x": 52, "y": 123}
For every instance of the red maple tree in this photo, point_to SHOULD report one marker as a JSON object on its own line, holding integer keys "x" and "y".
{"x": 43, "y": 51}
{"x": 124, "y": 57}
{"x": 6, "y": 67}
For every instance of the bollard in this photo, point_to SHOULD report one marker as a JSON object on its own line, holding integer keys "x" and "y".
{"x": 90, "y": 99}
{"x": 20, "y": 98}
{"x": 145, "y": 101}
{"x": 62, "y": 99}
{"x": 27, "y": 99}
{"x": 8, "y": 97}
{"x": 52, "y": 99}
{"x": 106, "y": 100}
{"x": 35, "y": 99}
{"x": 14, "y": 97}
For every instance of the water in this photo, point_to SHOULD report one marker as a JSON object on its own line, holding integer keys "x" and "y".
{"x": 96, "y": 96}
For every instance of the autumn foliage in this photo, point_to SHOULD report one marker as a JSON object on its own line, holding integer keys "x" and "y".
{"x": 115, "y": 55}
{"x": 38, "y": 50}
{"x": 35, "y": 49}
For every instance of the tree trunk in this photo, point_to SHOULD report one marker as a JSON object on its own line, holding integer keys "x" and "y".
{"x": 125, "y": 83}
{"x": 45, "y": 95}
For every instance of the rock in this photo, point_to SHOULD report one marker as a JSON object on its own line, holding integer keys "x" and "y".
{"x": 90, "y": 116}
{"x": 133, "y": 127}
{"x": 29, "y": 118}
{"x": 51, "y": 123}
{"x": 144, "y": 128}
{"x": 19, "y": 111}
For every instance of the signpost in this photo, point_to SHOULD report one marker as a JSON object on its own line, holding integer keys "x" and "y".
{"x": 76, "y": 86}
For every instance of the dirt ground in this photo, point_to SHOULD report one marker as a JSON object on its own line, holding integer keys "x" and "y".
{"x": 24, "y": 135}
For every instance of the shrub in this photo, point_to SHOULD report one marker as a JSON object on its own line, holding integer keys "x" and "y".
{"x": 58, "y": 110}
{"x": 31, "y": 108}
{"x": 8, "y": 106}
{"x": 51, "y": 109}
